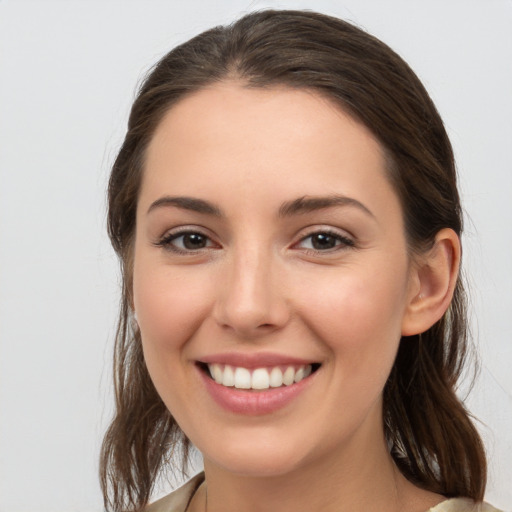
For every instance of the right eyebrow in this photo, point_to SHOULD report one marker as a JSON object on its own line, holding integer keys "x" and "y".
{"x": 186, "y": 203}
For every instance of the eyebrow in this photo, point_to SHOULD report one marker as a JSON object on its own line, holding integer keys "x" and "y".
{"x": 301, "y": 205}
{"x": 187, "y": 203}
{"x": 308, "y": 204}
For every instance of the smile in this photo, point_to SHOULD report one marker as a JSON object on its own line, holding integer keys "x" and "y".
{"x": 255, "y": 386}
{"x": 258, "y": 378}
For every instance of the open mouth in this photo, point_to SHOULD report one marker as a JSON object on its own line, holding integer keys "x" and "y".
{"x": 257, "y": 379}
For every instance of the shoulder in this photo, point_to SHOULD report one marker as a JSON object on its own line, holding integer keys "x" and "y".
{"x": 178, "y": 500}
{"x": 463, "y": 505}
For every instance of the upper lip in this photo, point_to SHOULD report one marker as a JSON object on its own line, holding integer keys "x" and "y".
{"x": 255, "y": 360}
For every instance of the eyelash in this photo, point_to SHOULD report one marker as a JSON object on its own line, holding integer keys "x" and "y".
{"x": 341, "y": 242}
{"x": 168, "y": 241}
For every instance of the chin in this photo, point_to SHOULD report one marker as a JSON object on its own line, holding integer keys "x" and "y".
{"x": 255, "y": 459}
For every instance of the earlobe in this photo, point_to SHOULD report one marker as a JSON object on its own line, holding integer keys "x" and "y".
{"x": 435, "y": 276}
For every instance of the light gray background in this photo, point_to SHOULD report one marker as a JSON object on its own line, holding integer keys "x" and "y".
{"x": 68, "y": 71}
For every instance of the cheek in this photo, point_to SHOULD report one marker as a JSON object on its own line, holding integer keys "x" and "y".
{"x": 358, "y": 316}
{"x": 170, "y": 305}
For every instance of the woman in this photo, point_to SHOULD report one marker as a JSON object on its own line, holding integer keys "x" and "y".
{"x": 287, "y": 217}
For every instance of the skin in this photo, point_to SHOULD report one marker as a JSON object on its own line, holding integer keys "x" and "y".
{"x": 258, "y": 284}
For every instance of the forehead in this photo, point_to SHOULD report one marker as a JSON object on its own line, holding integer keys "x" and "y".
{"x": 260, "y": 141}
{"x": 232, "y": 108}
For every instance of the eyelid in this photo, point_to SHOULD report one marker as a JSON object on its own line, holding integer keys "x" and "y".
{"x": 165, "y": 241}
{"x": 347, "y": 240}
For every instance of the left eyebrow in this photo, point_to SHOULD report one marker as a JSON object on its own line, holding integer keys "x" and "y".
{"x": 308, "y": 204}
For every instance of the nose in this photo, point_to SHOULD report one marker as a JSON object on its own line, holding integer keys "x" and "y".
{"x": 251, "y": 299}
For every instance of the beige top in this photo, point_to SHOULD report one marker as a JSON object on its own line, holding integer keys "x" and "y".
{"x": 178, "y": 501}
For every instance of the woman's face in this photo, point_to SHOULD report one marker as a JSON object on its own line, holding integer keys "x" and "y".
{"x": 269, "y": 244}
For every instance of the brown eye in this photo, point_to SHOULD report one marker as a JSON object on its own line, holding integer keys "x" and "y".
{"x": 322, "y": 241}
{"x": 186, "y": 242}
{"x": 325, "y": 241}
{"x": 192, "y": 241}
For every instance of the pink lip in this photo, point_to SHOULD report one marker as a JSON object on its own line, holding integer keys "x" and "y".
{"x": 252, "y": 361}
{"x": 250, "y": 402}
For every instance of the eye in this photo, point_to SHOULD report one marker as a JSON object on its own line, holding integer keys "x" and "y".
{"x": 186, "y": 242}
{"x": 325, "y": 241}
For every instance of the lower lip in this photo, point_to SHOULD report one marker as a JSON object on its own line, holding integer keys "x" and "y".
{"x": 253, "y": 403}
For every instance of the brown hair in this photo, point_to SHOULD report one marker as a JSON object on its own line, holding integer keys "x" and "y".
{"x": 430, "y": 434}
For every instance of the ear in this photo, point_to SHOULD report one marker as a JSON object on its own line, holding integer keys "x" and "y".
{"x": 433, "y": 279}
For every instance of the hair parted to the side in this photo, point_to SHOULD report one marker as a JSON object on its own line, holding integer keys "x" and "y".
{"x": 430, "y": 434}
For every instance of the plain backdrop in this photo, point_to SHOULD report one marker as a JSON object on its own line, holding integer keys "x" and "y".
{"x": 68, "y": 73}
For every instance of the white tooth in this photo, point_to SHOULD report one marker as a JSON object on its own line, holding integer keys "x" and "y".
{"x": 288, "y": 376}
{"x": 228, "y": 378}
{"x": 299, "y": 374}
{"x": 307, "y": 370}
{"x": 242, "y": 378}
{"x": 260, "y": 379}
{"x": 216, "y": 373}
{"x": 276, "y": 377}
